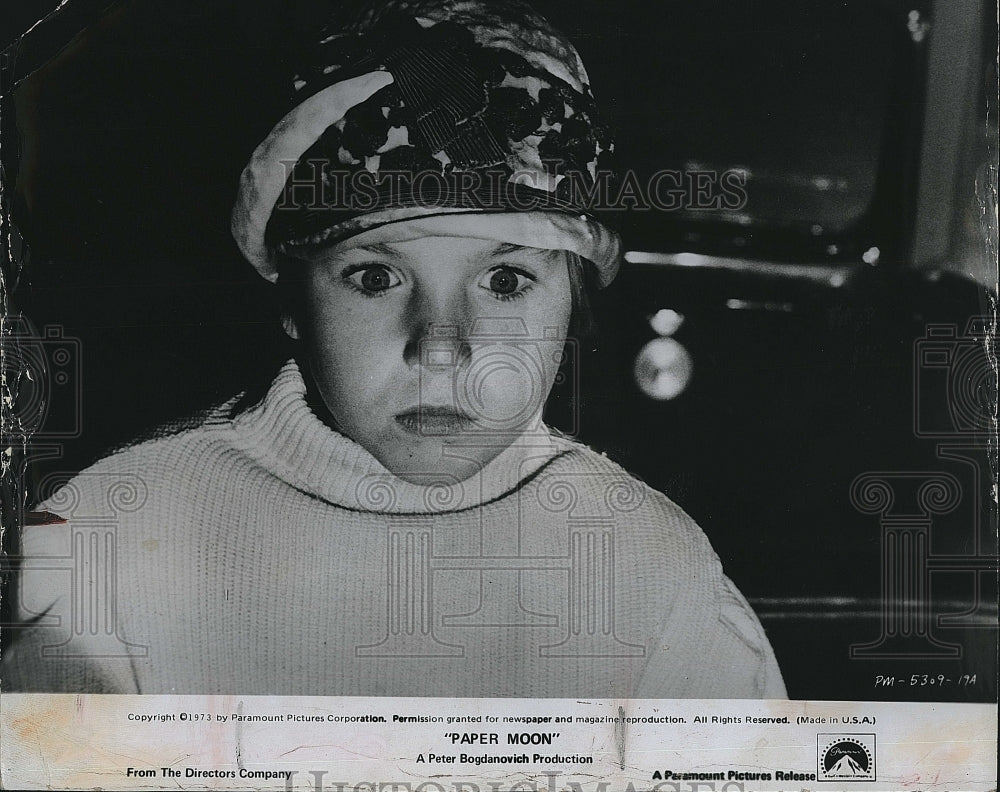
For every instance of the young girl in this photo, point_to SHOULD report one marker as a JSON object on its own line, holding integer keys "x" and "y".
{"x": 392, "y": 517}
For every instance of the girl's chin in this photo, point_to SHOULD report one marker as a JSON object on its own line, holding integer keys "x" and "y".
{"x": 440, "y": 466}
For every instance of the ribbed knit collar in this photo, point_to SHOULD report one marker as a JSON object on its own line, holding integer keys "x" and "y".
{"x": 286, "y": 437}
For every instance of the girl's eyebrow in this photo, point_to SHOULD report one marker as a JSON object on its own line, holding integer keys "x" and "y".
{"x": 508, "y": 247}
{"x": 379, "y": 248}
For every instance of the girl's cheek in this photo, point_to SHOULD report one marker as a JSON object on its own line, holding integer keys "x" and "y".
{"x": 555, "y": 310}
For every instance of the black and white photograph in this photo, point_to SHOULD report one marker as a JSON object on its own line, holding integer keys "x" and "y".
{"x": 502, "y": 349}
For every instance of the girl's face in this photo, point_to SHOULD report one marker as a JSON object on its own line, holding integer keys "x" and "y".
{"x": 435, "y": 353}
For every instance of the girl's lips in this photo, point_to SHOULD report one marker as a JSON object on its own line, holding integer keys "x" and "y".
{"x": 434, "y": 421}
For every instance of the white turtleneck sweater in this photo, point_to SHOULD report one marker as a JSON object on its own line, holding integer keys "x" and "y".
{"x": 264, "y": 553}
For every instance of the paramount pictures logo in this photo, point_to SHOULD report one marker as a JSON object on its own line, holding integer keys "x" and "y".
{"x": 845, "y": 757}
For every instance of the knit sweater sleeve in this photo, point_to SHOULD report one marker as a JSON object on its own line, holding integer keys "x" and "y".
{"x": 701, "y": 637}
{"x": 707, "y": 628}
{"x": 740, "y": 621}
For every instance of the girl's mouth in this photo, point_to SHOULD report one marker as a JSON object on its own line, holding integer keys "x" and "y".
{"x": 431, "y": 420}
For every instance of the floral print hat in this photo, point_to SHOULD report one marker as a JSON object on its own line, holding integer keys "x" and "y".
{"x": 455, "y": 117}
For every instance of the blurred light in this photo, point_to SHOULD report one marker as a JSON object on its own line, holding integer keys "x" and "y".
{"x": 871, "y": 255}
{"x": 816, "y": 230}
{"x": 822, "y": 183}
{"x": 689, "y": 259}
{"x": 917, "y": 27}
{"x": 818, "y": 273}
{"x": 666, "y": 322}
{"x": 756, "y": 305}
{"x": 832, "y": 250}
{"x": 663, "y": 369}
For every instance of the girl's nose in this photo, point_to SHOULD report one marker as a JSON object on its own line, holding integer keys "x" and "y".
{"x": 440, "y": 347}
{"x": 437, "y": 331}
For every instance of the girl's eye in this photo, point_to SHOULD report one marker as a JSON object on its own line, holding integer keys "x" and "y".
{"x": 371, "y": 279}
{"x": 506, "y": 282}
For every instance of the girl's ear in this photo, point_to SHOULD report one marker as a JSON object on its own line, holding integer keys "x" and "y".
{"x": 289, "y": 325}
{"x": 289, "y": 293}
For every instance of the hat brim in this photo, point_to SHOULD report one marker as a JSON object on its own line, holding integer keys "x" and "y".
{"x": 544, "y": 230}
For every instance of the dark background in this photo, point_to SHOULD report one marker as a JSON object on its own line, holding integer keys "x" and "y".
{"x": 125, "y": 128}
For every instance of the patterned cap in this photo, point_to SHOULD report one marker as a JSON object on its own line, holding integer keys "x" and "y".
{"x": 422, "y": 108}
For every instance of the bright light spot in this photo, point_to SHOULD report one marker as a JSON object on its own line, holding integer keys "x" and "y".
{"x": 689, "y": 259}
{"x": 663, "y": 369}
{"x": 816, "y": 230}
{"x": 832, "y": 250}
{"x": 917, "y": 27}
{"x": 666, "y": 322}
{"x": 871, "y": 255}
